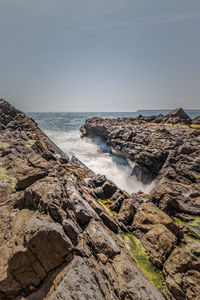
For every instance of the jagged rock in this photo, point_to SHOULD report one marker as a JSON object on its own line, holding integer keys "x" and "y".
{"x": 105, "y": 191}
{"x": 149, "y": 215}
{"x": 178, "y": 116}
{"x": 55, "y": 236}
{"x": 159, "y": 242}
{"x": 142, "y": 143}
{"x": 127, "y": 211}
{"x": 174, "y": 197}
{"x": 100, "y": 240}
{"x": 109, "y": 222}
{"x": 182, "y": 275}
{"x": 72, "y": 229}
{"x": 196, "y": 120}
{"x": 165, "y": 149}
{"x": 29, "y": 179}
{"x": 35, "y": 247}
{"x": 148, "y": 164}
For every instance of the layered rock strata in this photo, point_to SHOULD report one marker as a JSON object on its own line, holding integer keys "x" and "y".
{"x": 166, "y": 150}
{"x": 57, "y": 239}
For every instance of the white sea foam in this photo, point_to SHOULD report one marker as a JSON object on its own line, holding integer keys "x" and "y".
{"x": 94, "y": 153}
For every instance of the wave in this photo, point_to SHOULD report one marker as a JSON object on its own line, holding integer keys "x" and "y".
{"x": 95, "y": 154}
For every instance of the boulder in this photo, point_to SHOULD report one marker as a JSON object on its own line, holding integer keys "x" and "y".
{"x": 178, "y": 116}
{"x": 159, "y": 242}
{"x": 182, "y": 275}
{"x": 149, "y": 215}
{"x": 127, "y": 211}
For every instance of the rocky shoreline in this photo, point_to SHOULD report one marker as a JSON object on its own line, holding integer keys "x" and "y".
{"x": 166, "y": 150}
{"x": 67, "y": 233}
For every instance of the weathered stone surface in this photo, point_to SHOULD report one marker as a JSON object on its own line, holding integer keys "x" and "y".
{"x": 127, "y": 211}
{"x": 165, "y": 149}
{"x": 159, "y": 242}
{"x": 35, "y": 246}
{"x": 182, "y": 275}
{"x": 149, "y": 215}
{"x": 109, "y": 222}
{"x": 56, "y": 241}
{"x": 178, "y": 116}
{"x": 196, "y": 120}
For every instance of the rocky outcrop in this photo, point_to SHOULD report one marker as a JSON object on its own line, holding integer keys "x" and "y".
{"x": 67, "y": 233}
{"x": 157, "y": 149}
{"x": 196, "y": 120}
{"x": 182, "y": 274}
{"x": 144, "y": 141}
{"x": 178, "y": 116}
{"x": 59, "y": 240}
{"x": 166, "y": 223}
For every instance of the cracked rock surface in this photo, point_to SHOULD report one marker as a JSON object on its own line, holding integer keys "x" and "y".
{"x": 166, "y": 150}
{"x": 57, "y": 239}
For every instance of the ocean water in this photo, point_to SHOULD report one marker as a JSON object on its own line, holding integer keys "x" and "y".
{"x": 63, "y": 129}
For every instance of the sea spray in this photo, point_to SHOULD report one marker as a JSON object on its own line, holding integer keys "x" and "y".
{"x": 95, "y": 154}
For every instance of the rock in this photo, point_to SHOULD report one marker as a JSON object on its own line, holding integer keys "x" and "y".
{"x": 175, "y": 197}
{"x": 142, "y": 143}
{"x": 55, "y": 236}
{"x": 105, "y": 189}
{"x": 182, "y": 275}
{"x": 58, "y": 242}
{"x": 27, "y": 180}
{"x": 166, "y": 150}
{"x": 36, "y": 247}
{"x": 108, "y": 221}
{"x": 196, "y": 120}
{"x": 127, "y": 211}
{"x": 178, "y": 116}
{"x": 159, "y": 242}
{"x": 98, "y": 181}
{"x": 103, "y": 258}
{"x": 72, "y": 230}
{"x": 100, "y": 239}
{"x": 148, "y": 164}
{"x": 149, "y": 215}
{"x": 109, "y": 189}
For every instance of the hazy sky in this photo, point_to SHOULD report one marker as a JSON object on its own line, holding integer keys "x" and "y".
{"x": 100, "y": 55}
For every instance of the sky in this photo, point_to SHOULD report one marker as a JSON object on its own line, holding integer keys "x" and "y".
{"x": 100, "y": 55}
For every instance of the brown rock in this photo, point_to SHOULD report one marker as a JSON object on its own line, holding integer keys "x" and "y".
{"x": 127, "y": 211}
{"x": 159, "y": 242}
{"x": 149, "y": 215}
{"x": 182, "y": 275}
{"x": 103, "y": 258}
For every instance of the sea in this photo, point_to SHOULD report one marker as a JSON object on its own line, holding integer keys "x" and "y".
{"x": 63, "y": 129}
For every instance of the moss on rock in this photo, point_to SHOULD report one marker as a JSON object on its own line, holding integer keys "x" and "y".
{"x": 106, "y": 205}
{"x": 30, "y": 143}
{"x": 5, "y": 177}
{"x": 142, "y": 259}
{"x": 193, "y": 225}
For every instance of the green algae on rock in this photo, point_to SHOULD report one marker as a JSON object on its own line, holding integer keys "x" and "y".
{"x": 106, "y": 205}
{"x": 7, "y": 178}
{"x": 142, "y": 259}
{"x": 139, "y": 254}
{"x": 190, "y": 242}
{"x": 193, "y": 225}
{"x": 4, "y": 145}
{"x": 30, "y": 143}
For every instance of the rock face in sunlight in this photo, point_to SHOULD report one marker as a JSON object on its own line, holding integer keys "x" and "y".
{"x": 165, "y": 149}
{"x": 57, "y": 240}
{"x": 68, "y": 233}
